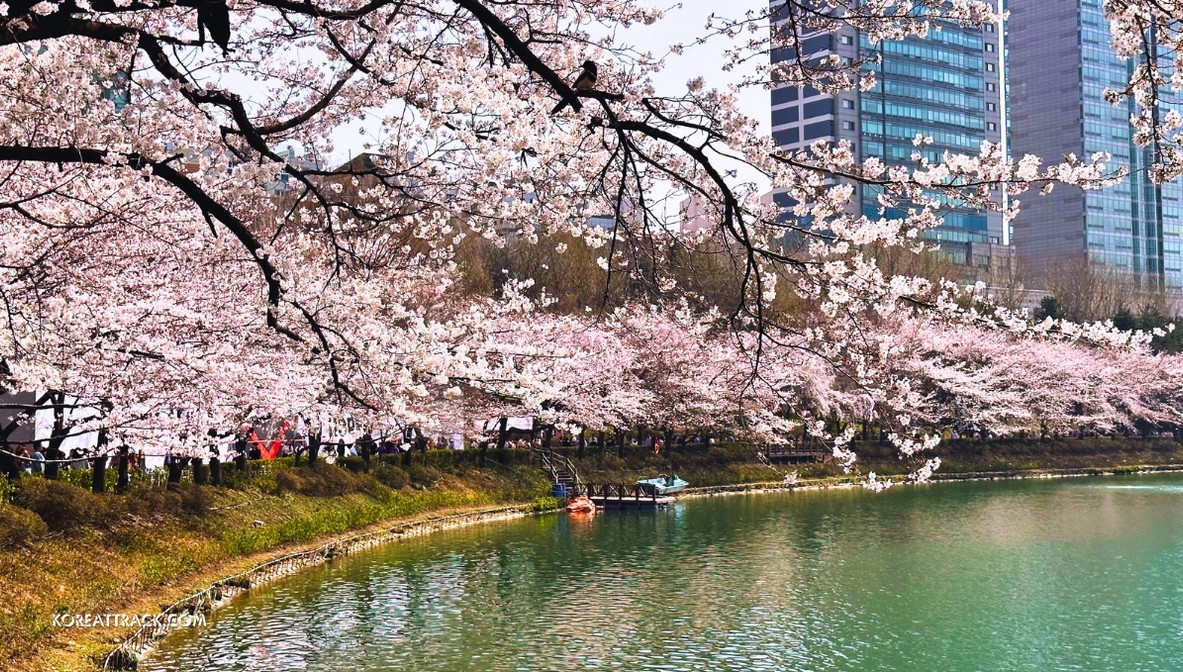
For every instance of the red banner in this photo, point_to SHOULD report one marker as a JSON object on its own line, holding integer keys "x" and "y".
{"x": 270, "y": 451}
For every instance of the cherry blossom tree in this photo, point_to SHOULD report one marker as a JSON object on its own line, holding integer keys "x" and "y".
{"x": 151, "y": 263}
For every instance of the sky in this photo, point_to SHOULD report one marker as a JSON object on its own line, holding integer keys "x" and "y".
{"x": 683, "y": 22}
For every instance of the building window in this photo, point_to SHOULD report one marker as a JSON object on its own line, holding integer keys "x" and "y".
{"x": 991, "y": 126}
{"x": 989, "y": 67}
{"x": 819, "y": 130}
{"x": 990, "y": 86}
{"x": 846, "y": 39}
{"x": 989, "y": 46}
{"x": 990, "y": 107}
{"x": 989, "y": 27}
{"x": 785, "y": 115}
{"x": 848, "y": 125}
{"x": 818, "y": 108}
{"x": 848, "y": 104}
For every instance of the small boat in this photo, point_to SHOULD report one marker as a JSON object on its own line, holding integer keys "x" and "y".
{"x": 581, "y": 504}
{"x": 663, "y": 485}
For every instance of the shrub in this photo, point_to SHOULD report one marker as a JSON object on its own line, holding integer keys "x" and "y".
{"x": 546, "y": 503}
{"x": 18, "y": 526}
{"x": 323, "y": 480}
{"x": 353, "y": 463}
{"x": 392, "y": 477}
{"x": 62, "y": 506}
{"x": 144, "y": 500}
{"x": 422, "y": 475}
{"x": 194, "y": 499}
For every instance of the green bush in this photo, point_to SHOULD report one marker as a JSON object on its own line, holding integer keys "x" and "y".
{"x": 423, "y": 475}
{"x": 61, "y": 505}
{"x": 355, "y": 464}
{"x": 390, "y": 476}
{"x": 323, "y": 480}
{"x": 19, "y": 527}
{"x": 194, "y": 499}
{"x": 546, "y": 503}
{"x": 144, "y": 500}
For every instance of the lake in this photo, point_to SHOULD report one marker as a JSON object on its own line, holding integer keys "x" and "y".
{"x": 1062, "y": 574}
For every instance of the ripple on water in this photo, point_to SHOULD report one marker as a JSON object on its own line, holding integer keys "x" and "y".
{"x": 1063, "y": 575}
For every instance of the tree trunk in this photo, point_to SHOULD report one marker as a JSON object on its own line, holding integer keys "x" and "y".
{"x": 98, "y": 480}
{"x": 174, "y": 470}
{"x": 122, "y": 482}
{"x": 215, "y": 470}
{"x": 582, "y": 442}
{"x": 8, "y": 466}
{"x": 313, "y": 448}
{"x": 51, "y": 463}
{"x": 547, "y": 436}
{"x": 502, "y": 427}
{"x": 200, "y": 472}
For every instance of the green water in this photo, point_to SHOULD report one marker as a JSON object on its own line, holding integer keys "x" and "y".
{"x": 1079, "y": 574}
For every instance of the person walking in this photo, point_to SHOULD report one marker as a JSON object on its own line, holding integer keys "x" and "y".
{"x": 38, "y": 459}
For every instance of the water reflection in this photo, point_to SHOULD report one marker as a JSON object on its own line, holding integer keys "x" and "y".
{"x": 1060, "y": 575}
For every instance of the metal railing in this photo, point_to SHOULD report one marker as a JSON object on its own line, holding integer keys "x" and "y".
{"x": 552, "y": 462}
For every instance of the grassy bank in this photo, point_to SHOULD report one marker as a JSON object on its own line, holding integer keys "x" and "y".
{"x": 66, "y": 550}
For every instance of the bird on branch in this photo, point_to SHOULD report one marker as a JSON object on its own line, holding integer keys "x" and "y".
{"x": 214, "y": 16}
{"x": 584, "y": 82}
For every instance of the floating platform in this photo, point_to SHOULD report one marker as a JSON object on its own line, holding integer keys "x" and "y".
{"x": 625, "y": 503}
{"x": 626, "y": 496}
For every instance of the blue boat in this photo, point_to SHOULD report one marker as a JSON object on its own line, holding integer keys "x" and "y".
{"x": 663, "y": 485}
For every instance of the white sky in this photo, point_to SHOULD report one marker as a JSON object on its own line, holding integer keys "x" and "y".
{"x": 682, "y": 23}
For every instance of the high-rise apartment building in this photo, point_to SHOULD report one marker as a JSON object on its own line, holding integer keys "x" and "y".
{"x": 947, "y": 86}
{"x": 1060, "y": 65}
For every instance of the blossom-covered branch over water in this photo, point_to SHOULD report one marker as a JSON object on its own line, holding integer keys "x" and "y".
{"x": 155, "y": 263}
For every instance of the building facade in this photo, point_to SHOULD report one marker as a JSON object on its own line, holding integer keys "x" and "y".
{"x": 947, "y": 86}
{"x": 1060, "y": 66}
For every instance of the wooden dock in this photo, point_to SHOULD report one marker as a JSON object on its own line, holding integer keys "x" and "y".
{"x": 626, "y": 496}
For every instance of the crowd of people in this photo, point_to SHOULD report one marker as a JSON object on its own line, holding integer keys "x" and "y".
{"x": 245, "y": 445}
{"x": 35, "y": 458}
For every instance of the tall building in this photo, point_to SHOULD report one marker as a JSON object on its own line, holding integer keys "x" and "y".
{"x": 947, "y": 86}
{"x": 1060, "y": 65}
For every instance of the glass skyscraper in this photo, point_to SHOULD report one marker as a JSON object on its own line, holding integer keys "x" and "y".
{"x": 946, "y": 86}
{"x": 1061, "y": 64}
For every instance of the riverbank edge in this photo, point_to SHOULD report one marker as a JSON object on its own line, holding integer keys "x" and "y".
{"x": 218, "y": 593}
{"x": 937, "y": 477}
